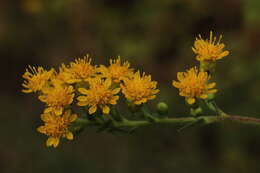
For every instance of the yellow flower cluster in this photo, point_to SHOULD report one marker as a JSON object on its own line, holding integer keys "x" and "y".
{"x": 82, "y": 84}
{"x": 139, "y": 88}
{"x": 194, "y": 84}
{"x": 56, "y": 127}
{"x": 116, "y": 71}
{"x": 209, "y": 50}
{"x": 57, "y": 98}
{"x": 97, "y": 88}
{"x": 100, "y": 93}
{"x": 36, "y": 79}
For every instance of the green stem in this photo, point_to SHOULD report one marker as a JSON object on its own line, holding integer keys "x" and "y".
{"x": 80, "y": 123}
{"x": 84, "y": 122}
{"x": 177, "y": 121}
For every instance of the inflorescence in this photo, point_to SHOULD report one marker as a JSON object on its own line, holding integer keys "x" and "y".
{"x": 80, "y": 84}
{"x": 96, "y": 90}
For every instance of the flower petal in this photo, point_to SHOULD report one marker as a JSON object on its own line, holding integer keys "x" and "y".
{"x": 50, "y": 141}
{"x": 107, "y": 83}
{"x": 92, "y": 109}
{"x": 176, "y": 84}
{"x": 113, "y": 101}
{"x": 82, "y": 103}
{"x": 83, "y": 91}
{"x": 73, "y": 117}
{"x": 190, "y": 100}
{"x": 212, "y": 91}
{"x": 45, "y": 117}
{"x": 115, "y": 91}
{"x": 58, "y": 110}
{"x": 69, "y": 136}
{"x": 56, "y": 142}
{"x": 82, "y": 98}
{"x": 41, "y": 129}
{"x": 48, "y": 110}
{"x": 211, "y": 85}
{"x": 203, "y": 96}
{"x": 106, "y": 109}
{"x": 42, "y": 98}
{"x": 180, "y": 76}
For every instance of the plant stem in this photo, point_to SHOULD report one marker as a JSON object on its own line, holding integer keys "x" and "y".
{"x": 244, "y": 119}
{"x": 177, "y": 121}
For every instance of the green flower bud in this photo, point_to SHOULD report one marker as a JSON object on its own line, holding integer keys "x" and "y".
{"x": 162, "y": 108}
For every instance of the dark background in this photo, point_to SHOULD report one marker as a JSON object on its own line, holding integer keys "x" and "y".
{"x": 155, "y": 36}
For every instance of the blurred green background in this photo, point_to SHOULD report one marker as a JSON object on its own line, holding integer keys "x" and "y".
{"x": 155, "y": 36}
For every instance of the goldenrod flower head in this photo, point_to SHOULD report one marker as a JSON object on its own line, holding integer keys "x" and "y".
{"x": 100, "y": 94}
{"x": 56, "y": 127}
{"x": 139, "y": 88}
{"x": 64, "y": 76}
{"x": 80, "y": 70}
{"x": 194, "y": 84}
{"x": 209, "y": 50}
{"x": 57, "y": 98}
{"x": 36, "y": 79}
{"x": 117, "y": 70}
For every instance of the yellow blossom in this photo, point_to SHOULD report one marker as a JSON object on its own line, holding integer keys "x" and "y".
{"x": 100, "y": 94}
{"x": 36, "y": 79}
{"x": 209, "y": 50}
{"x": 117, "y": 71}
{"x": 62, "y": 76}
{"x": 56, "y": 127}
{"x": 139, "y": 89}
{"x": 193, "y": 84}
{"x": 80, "y": 70}
{"x": 57, "y": 98}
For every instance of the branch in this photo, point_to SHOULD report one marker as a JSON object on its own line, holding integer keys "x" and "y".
{"x": 203, "y": 120}
{"x": 244, "y": 119}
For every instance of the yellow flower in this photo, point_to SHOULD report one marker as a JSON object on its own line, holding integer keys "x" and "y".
{"x": 139, "y": 89}
{"x": 36, "y": 79}
{"x": 99, "y": 94}
{"x": 80, "y": 70}
{"x": 56, "y": 127}
{"x": 209, "y": 50}
{"x": 117, "y": 71}
{"x": 193, "y": 84}
{"x": 64, "y": 76}
{"x": 57, "y": 98}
